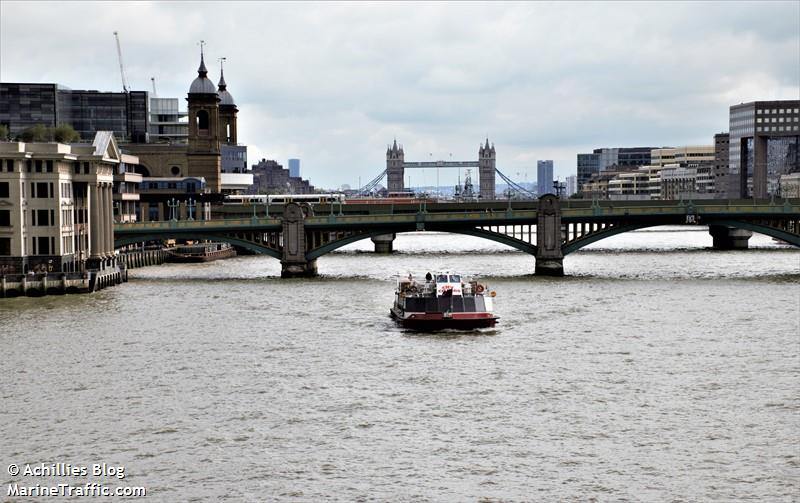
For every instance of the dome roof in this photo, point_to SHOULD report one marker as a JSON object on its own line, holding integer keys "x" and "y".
{"x": 225, "y": 98}
{"x": 202, "y": 85}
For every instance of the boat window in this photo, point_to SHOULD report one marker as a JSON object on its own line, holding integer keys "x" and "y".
{"x": 441, "y": 278}
{"x": 455, "y": 278}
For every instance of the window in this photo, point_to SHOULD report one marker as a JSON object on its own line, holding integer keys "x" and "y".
{"x": 38, "y": 165}
{"x": 41, "y": 218}
{"x": 5, "y": 219}
{"x": 4, "y": 191}
{"x": 29, "y": 165}
{"x": 43, "y": 247}
{"x": 85, "y": 168}
{"x": 76, "y": 167}
{"x": 5, "y": 246}
{"x": 49, "y": 166}
{"x": 202, "y": 120}
{"x": 10, "y": 165}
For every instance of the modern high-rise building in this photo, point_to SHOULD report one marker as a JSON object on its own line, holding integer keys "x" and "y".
{"x": 764, "y": 138}
{"x": 571, "y": 185}
{"x": 168, "y": 123}
{"x": 603, "y": 159}
{"x": 294, "y": 167}
{"x": 720, "y": 171}
{"x": 588, "y": 165}
{"x": 23, "y": 105}
{"x": 544, "y": 177}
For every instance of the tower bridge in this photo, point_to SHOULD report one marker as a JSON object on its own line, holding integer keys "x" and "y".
{"x": 547, "y": 228}
{"x": 486, "y": 165}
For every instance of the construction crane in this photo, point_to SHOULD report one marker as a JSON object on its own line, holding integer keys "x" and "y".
{"x": 121, "y": 68}
{"x": 153, "y": 80}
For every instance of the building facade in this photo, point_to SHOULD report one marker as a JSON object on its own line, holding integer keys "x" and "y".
{"x": 168, "y": 123}
{"x": 23, "y": 105}
{"x": 763, "y": 146}
{"x": 720, "y": 171}
{"x": 56, "y": 205}
{"x": 294, "y": 168}
{"x": 544, "y": 177}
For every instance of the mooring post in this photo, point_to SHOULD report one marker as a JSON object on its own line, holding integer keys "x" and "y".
{"x": 293, "y": 261}
{"x": 549, "y": 257}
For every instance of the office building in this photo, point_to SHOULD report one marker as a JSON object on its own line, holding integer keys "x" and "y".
{"x": 294, "y": 168}
{"x": 270, "y": 177}
{"x": 763, "y": 146}
{"x": 720, "y": 171}
{"x": 56, "y": 205}
{"x": 544, "y": 178}
{"x": 588, "y": 165}
{"x": 24, "y": 105}
{"x": 571, "y": 186}
{"x": 168, "y": 123}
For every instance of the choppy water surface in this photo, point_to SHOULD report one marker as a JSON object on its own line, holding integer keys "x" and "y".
{"x": 658, "y": 370}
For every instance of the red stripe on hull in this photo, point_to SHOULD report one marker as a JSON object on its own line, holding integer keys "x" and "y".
{"x": 437, "y": 321}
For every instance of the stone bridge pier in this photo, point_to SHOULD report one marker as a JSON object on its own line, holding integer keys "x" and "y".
{"x": 729, "y": 238}
{"x": 549, "y": 256}
{"x": 384, "y": 243}
{"x": 293, "y": 260}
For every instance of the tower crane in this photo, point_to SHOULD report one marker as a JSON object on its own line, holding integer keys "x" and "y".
{"x": 121, "y": 68}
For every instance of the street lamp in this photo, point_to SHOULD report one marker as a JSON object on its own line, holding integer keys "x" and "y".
{"x": 173, "y": 209}
{"x": 190, "y": 206}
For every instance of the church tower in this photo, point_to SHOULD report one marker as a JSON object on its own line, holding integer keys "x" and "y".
{"x": 203, "y": 154}
{"x": 394, "y": 168}
{"x": 227, "y": 110}
{"x": 487, "y": 161}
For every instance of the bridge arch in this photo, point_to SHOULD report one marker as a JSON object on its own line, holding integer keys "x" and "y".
{"x": 608, "y": 232}
{"x": 475, "y": 232}
{"x": 243, "y": 243}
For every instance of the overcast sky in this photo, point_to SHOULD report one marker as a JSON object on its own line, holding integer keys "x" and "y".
{"x": 334, "y": 83}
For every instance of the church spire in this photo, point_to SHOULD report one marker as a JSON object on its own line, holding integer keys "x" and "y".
{"x": 202, "y": 71}
{"x": 222, "y": 84}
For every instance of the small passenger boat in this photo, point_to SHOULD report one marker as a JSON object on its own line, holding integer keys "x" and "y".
{"x": 200, "y": 252}
{"x": 443, "y": 301}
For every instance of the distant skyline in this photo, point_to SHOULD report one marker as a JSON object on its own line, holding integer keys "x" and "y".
{"x": 334, "y": 83}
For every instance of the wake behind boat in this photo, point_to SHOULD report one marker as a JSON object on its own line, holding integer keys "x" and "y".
{"x": 443, "y": 301}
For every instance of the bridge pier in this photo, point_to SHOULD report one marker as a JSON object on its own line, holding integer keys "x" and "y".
{"x": 294, "y": 263}
{"x": 383, "y": 243}
{"x": 729, "y": 238}
{"x": 549, "y": 257}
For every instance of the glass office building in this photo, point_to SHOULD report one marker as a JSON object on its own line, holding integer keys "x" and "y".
{"x": 26, "y": 105}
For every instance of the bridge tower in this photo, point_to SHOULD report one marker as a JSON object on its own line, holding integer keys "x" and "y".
{"x": 227, "y": 110}
{"x": 203, "y": 154}
{"x": 487, "y": 160}
{"x": 394, "y": 168}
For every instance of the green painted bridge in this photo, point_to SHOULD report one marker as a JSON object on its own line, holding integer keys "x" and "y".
{"x": 547, "y": 228}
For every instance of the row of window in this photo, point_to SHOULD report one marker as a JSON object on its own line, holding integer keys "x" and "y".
{"x": 778, "y": 119}
{"x": 780, "y": 129}
{"x": 777, "y": 111}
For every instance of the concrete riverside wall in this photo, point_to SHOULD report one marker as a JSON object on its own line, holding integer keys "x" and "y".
{"x": 36, "y": 285}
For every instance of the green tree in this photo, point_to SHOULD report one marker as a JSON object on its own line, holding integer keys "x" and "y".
{"x": 36, "y": 133}
{"x": 64, "y": 133}
{"x": 3, "y": 132}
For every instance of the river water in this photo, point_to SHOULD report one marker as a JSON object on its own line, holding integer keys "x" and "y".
{"x": 657, "y": 370}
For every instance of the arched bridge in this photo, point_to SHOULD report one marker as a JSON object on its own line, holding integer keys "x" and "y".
{"x": 547, "y": 228}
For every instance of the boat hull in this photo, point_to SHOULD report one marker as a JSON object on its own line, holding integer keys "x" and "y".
{"x": 438, "y": 321}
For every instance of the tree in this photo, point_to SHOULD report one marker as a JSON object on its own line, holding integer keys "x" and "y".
{"x": 3, "y": 132}
{"x": 36, "y": 133}
{"x": 64, "y": 133}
